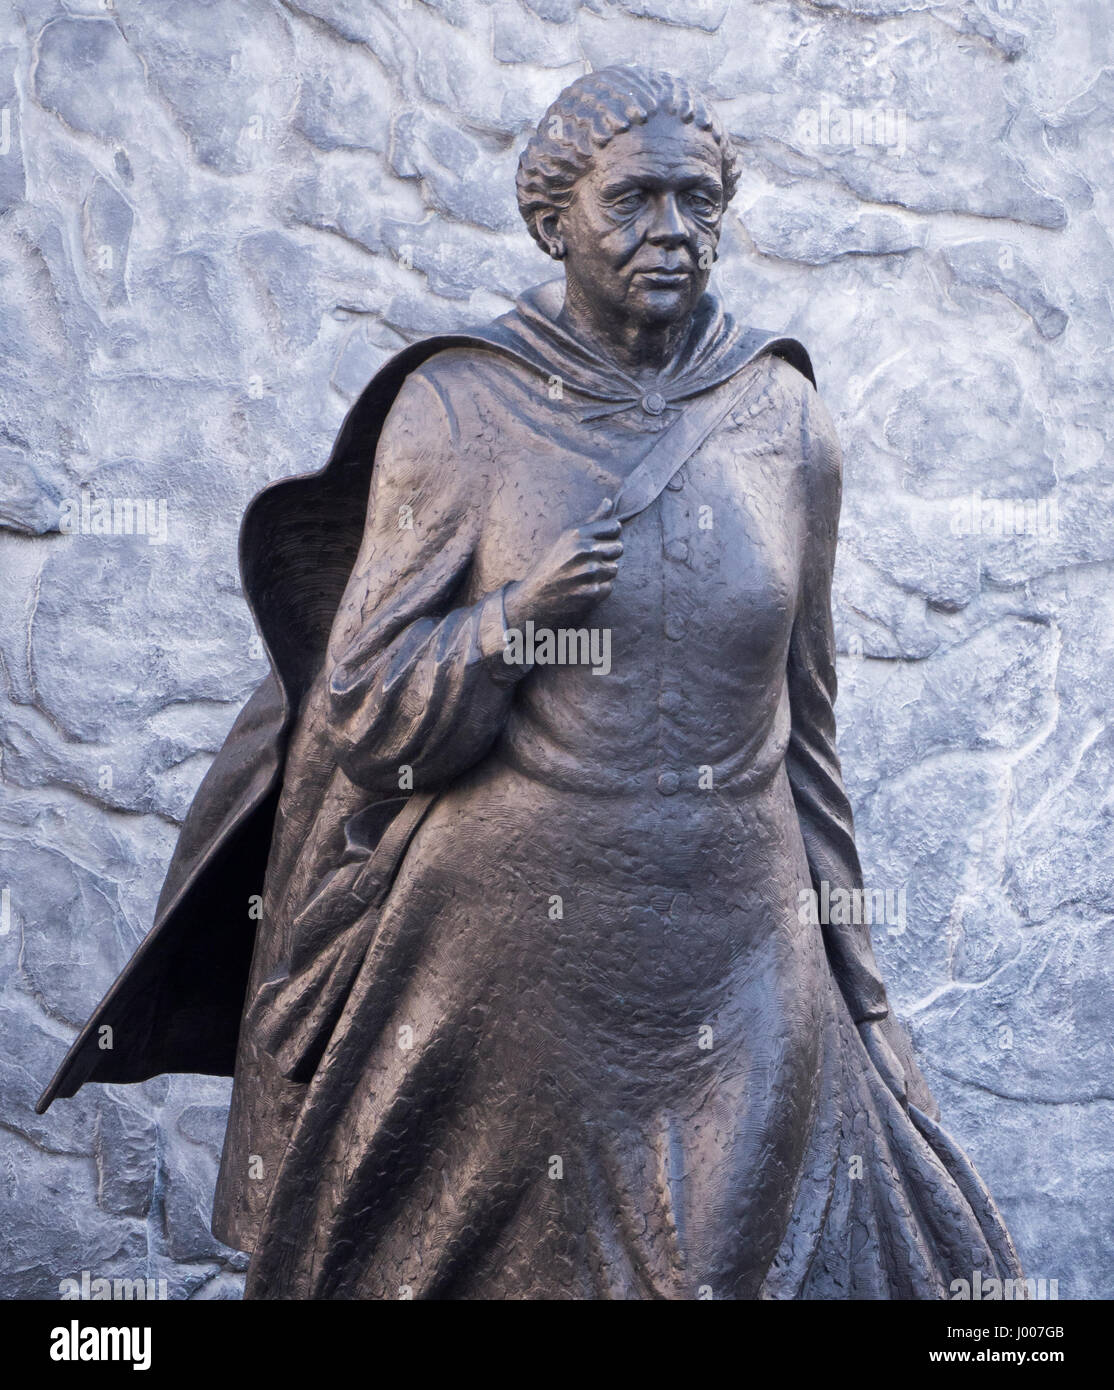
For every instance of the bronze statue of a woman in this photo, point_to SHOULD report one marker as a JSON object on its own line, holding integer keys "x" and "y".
{"x": 506, "y": 947}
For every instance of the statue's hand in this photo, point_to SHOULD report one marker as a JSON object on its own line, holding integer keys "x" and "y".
{"x": 885, "y": 1060}
{"x": 572, "y": 576}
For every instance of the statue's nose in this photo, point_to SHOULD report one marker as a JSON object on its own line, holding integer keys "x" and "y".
{"x": 668, "y": 227}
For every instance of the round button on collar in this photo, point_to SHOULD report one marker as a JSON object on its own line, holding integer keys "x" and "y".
{"x": 668, "y": 783}
{"x": 653, "y": 403}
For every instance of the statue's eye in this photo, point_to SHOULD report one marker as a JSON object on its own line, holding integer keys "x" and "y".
{"x": 627, "y": 203}
{"x": 702, "y": 204}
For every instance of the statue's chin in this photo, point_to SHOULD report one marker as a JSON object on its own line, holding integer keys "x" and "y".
{"x": 661, "y": 303}
{"x": 639, "y": 304}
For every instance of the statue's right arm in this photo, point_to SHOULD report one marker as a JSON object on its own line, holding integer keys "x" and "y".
{"x": 417, "y": 680}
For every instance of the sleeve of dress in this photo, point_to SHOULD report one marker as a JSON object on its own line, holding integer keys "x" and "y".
{"x": 812, "y": 761}
{"x": 418, "y": 687}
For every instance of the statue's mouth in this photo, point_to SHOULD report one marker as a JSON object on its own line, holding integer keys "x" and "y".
{"x": 665, "y": 277}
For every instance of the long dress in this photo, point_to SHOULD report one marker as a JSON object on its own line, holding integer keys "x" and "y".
{"x": 595, "y": 1048}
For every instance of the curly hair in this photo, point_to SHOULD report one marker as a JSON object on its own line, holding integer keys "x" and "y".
{"x": 588, "y": 114}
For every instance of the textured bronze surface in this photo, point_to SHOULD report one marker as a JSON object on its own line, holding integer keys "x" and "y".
{"x": 533, "y": 1009}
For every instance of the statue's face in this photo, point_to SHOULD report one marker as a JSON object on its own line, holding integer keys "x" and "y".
{"x": 642, "y": 227}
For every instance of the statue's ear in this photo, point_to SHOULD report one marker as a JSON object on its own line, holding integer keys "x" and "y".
{"x": 547, "y": 225}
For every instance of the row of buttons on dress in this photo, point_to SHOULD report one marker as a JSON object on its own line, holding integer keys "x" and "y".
{"x": 671, "y": 701}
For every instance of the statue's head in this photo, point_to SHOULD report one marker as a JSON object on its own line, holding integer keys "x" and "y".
{"x": 625, "y": 181}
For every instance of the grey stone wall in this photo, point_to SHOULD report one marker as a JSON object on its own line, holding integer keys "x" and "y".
{"x": 217, "y": 219}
